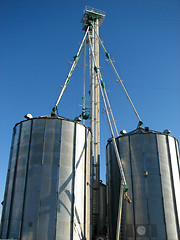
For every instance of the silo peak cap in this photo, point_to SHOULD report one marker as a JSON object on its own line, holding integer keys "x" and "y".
{"x": 123, "y": 132}
{"x": 166, "y": 131}
{"x": 28, "y": 116}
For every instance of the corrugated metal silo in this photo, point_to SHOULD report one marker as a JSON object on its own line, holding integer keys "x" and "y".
{"x": 152, "y": 168}
{"x": 47, "y": 193}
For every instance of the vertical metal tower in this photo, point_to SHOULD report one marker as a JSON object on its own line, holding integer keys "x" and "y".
{"x": 93, "y": 17}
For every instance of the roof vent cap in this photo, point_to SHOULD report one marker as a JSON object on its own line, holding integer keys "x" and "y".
{"x": 78, "y": 119}
{"x": 28, "y": 116}
{"x": 167, "y": 131}
{"x": 123, "y": 132}
{"x": 146, "y": 129}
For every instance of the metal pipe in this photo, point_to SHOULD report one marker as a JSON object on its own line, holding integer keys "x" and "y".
{"x": 109, "y": 106}
{"x": 84, "y": 78}
{"x": 94, "y": 128}
{"x": 118, "y": 228}
{"x": 72, "y": 68}
{"x": 112, "y": 132}
{"x": 97, "y": 124}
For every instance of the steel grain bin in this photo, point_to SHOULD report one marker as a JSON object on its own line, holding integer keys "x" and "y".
{"x": 152, "y": 168}
{"x": 47, "y": 193}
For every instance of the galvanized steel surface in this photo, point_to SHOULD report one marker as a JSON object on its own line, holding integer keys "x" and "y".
{"x": 48, "y": 183}
{"x": 152, "y": 167}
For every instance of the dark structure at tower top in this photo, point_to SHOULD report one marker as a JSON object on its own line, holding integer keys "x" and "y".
{"x": 91, "y": 14}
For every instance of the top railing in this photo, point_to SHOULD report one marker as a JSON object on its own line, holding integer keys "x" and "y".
{"x": 92, "y": 14}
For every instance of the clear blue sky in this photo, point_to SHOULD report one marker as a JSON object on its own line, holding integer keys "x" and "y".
{"x": 38, "y": 38}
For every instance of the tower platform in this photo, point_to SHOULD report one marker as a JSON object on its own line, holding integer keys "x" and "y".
{"x": 92, "y": 14}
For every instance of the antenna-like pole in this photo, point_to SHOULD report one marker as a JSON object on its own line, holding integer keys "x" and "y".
{"x": 84, "y": 84}
{"x": 93, "y": 17}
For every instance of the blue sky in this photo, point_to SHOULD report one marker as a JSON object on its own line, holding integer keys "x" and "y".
{"x": 39, "y": 38}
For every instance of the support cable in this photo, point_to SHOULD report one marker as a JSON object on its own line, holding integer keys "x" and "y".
{"x": 109, "y": 106}
{"x": 124, "y": 182}
{"x": 76, "y": 58}
{"x": 84, "y": 85}
{"x": 120, "y": 81}
{"x": 118, "y": 226}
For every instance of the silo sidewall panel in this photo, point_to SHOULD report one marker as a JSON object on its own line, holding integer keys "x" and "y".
{"x": 139, "y": 186}
{"x": 48, "y": 196}
{"x": 33, "y": 185}
{"x": 18, "y": 197}
{"x": 175, "y": 177}
{"x": 79, "y": 182}
{"x": 114, "y": 191}
{"x": 153, "y": 187}
{"x": 65, "y": 194}
{"x": 178, "y": 154}
{"x": 10, "y": 184}
{"x": 165, "y": 170}
{"x": 128, "y": 209}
